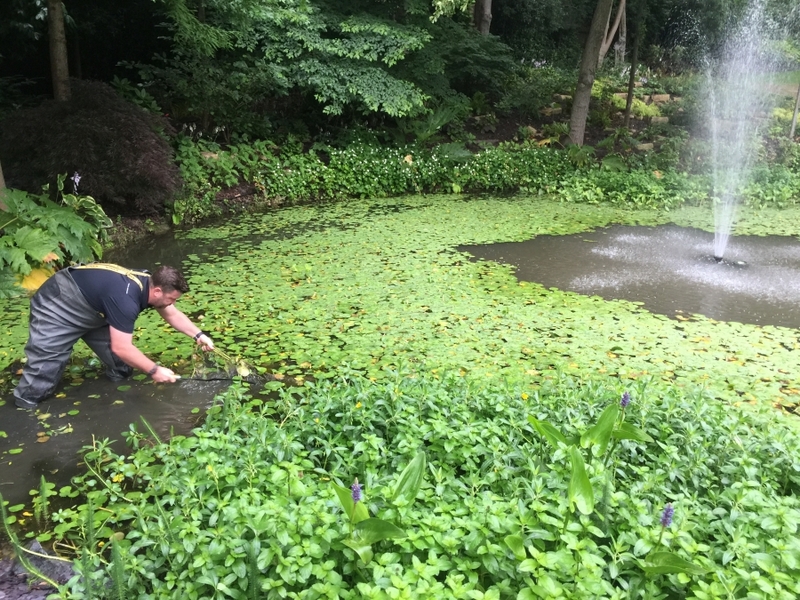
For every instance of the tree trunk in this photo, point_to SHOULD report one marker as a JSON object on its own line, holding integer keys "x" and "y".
{"x": 2, "y": 189}
{"x": 611, "y": 32}
{"x": 632, "y": 78}
{"x": 482, "y": 15}
{"x": 794, "y": 116}
{"x": 583, "y": 91}
{"x": 622, "y": 40}
{"x": 58, "y": 50}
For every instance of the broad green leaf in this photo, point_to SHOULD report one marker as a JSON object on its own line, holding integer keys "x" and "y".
{"x": 628, "y": 432}
{"x": 345, "y": 498}
{"x": 547, "y": 431}
{"x": 374, "y": 530}
{"x": 410, "y": 480}
{"x": 580, "y": 488}
{"x": 364, "y": 551}
{"x": 669, "y": 562}
{"x": 360, "y": 513}
{"x": 517, "y": 546}
{"x": 599, "y": 435}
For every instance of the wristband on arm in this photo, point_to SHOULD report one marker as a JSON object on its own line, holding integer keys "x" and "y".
{"x": 198, "y": 335}
{"x": 152, "y": 371}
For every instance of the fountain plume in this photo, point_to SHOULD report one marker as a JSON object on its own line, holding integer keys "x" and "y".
{"x": 738, "y": 105}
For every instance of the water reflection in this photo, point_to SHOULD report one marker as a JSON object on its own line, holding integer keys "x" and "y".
{"x": 669, "y": 269}
{"x": 104, "y": 412}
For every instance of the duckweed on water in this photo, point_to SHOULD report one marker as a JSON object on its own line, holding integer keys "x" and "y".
{"x": 376, "y": 284}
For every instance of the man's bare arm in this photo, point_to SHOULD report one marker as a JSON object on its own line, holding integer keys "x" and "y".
{"x": 122, "y": 346}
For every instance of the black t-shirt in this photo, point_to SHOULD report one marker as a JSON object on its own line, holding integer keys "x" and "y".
{"x": 115, "y": 295}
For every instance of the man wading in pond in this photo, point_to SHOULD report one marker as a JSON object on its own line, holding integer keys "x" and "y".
{"x": 98, "y": 303}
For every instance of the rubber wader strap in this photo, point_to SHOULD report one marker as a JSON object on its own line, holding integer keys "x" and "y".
{"x": 129, "y": 273}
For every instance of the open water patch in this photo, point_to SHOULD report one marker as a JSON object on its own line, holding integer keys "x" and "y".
{"x": 669, "y": 270}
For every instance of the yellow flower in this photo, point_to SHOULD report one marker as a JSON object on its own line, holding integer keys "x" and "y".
{"x": 524, "y": 396}
{"x": 358, "y": 405}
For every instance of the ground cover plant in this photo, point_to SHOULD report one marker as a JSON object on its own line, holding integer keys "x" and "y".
{"x": 420, "y": 487}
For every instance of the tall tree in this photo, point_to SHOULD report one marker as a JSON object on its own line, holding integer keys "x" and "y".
{"x": 483, "y": 15}
{"x": 611, "y": 31}
{"x": 588, "y": 68}
{"x": 59, "y": 65}
{"x": 2, "y": 189}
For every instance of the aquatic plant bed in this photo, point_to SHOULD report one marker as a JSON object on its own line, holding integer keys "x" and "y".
{"x": 378, "y": 283}
{"x": 465, "y": 490}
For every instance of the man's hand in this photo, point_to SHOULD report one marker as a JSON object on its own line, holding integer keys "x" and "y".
{"x": 164, "y": 375}
{"x": 205, "y": 342}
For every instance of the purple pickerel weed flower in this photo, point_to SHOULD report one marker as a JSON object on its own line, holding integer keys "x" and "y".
{"x": 625, "y": 400}
{"x": 666, "y": 516}
{"x": 356, "y": 491}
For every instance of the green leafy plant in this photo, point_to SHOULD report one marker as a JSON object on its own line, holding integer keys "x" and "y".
{"x": 365, "y": 530}
{"x": 39, "y": 233}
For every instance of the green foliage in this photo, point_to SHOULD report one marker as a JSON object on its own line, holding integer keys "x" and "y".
{"x": 247, "y": 502}
{"x": 37, "y": 232}
{"x": 360, "y": 171}
{"x": 530, "y": 89}
{"x": 227, "y": 64}
{"x": 640, "y": 188}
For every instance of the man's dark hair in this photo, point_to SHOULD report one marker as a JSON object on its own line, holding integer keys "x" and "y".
{"x": 169, "y": 279}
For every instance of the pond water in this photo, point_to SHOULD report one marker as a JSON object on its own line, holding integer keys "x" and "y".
{"x": 103, "y": 410}
{"x": 670, "y": 270}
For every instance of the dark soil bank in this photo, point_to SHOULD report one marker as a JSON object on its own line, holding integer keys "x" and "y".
{"x": 15, "y": 585}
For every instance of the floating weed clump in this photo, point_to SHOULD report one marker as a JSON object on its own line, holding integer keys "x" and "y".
{"x": 446, "y": 487}
{"x": 378, "y": 284}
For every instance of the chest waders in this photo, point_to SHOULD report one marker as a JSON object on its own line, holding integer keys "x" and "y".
{"x": 59, "y": 317}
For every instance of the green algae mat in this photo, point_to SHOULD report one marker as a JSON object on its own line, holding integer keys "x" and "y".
{"x": 308, "y": 292}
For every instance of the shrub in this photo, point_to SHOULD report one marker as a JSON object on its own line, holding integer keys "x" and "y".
{"x": 120, "y": 150}
{"x": 561, "y": 488}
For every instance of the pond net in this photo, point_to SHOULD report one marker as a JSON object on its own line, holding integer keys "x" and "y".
{"x": 218, "y": 365}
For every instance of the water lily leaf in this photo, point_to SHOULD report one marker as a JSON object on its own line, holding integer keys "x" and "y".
{"x": 15, "y": 451}
{"x": 124, "y": 388}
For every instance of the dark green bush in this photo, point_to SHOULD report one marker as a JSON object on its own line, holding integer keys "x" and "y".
{"x": 118, "y": 149}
